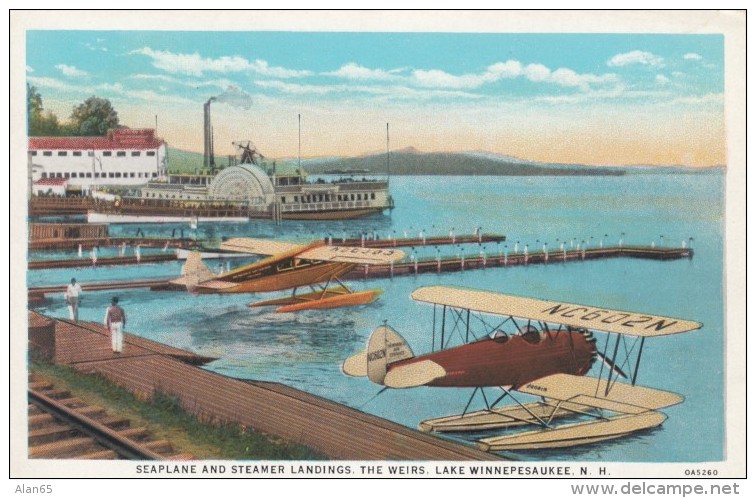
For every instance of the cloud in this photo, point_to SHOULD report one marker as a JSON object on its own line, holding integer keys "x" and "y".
{"x": 393, "y": 91}
{"x": 662, "y": 80}
{"x": 45, "y": 82}
{"x": 196, "y": 65}
{"x": 95, "y": 47}
{"x": 71, "y": 71}
{"x": 352, "y": 71}
{"x": 690, "y": 56}
{"x": 636, "y": 57}
{"x": 215, "y": 83}
{"x": 436, "y": 78}
{"x": 536, "y": 73}
{"x": 110, "y": 90}
{"x": 29, "y": 69}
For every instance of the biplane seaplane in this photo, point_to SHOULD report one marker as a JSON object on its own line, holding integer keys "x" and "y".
{"x": 316, "y": 266}
{"x": 541, "y": 348}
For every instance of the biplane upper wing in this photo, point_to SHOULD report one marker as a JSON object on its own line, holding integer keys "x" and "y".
{"x": 265, "y": 247}
{"x": 356, "y": 255}
{"x": 574, "y": 315}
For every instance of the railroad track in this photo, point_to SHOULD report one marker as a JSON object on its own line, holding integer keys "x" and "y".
{"x": 62, "y": 426}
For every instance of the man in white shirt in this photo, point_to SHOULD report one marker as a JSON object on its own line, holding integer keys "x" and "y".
{"x": 73, "y": 291}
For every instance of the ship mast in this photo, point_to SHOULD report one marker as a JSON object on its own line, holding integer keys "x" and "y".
{"x": 388, "y": 155}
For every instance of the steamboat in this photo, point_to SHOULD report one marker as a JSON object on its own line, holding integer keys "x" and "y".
{"x": 248, "y": 187}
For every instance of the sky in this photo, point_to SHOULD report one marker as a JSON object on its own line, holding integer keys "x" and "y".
{"x": 597, "y": 99}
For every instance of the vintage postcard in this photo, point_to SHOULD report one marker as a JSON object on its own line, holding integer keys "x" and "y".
{"x": 378, "y": 245}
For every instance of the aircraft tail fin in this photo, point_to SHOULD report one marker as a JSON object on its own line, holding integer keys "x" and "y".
{"x": 385, "y": 347}
{"x": 194, "y": 271}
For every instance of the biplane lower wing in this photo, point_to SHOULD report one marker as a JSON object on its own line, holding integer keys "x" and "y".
{"x": 569, "y": 435}
{"x": 619, "y": 397}
{"x": 632, "y": 408}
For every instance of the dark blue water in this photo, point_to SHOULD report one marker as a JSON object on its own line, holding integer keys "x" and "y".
{"x": 305, "y": 350}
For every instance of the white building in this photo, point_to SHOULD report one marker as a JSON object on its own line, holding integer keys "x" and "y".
{"x": 123, "y": 157}
{"x": 50, "y": 186}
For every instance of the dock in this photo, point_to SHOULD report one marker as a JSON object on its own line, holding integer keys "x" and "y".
{"x": 441, "y": 265}
{"x": 45, "y": 264}
{"x": 455, "y": 264}
{"x": 146, "y": 368}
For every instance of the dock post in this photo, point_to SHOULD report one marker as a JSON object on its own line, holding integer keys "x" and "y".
{"x": 526, "y": 254}
{"x": 505, "y": 255}
{"x": 462, "y": 261}
{"x": 391, "y": 269}
{"x": 483, "y": 257}
{"x": 545, "y": 253}
{"x": 80, "y": 251}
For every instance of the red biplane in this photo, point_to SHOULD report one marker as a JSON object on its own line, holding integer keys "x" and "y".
{"x": 547, "y": 353}
{"x": 290, "y": 266}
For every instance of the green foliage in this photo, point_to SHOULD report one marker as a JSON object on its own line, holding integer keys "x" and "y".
{"x": 41, "y": 123}
{"x": 94, "y": 117}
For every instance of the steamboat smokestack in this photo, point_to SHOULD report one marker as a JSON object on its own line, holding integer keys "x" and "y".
{"x": 209, "y": 157}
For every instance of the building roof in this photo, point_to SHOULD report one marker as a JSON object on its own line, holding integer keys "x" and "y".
{"x": 51, "y": 182}
{"x": 122, "y": 138}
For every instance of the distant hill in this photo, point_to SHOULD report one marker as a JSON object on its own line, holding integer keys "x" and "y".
{"x": 411, "y": 162}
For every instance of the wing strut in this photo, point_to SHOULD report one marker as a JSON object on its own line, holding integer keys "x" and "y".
{"x": 524, "y": 407}
{"x": 637, "y": 361}
{"x": 470, "y": 400}
{"x": 433, "y": 340}
{"x": 467, "y": 331}
{"x": 443, "y": 327}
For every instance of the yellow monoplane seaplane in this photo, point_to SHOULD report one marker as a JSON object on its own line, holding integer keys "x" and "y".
{"x": 290, "y": 266}
{"x": 541, "y": 348}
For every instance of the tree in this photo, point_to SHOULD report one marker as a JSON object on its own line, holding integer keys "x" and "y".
{"x": 41, "y": 123}
{"x": 94, "y": 117}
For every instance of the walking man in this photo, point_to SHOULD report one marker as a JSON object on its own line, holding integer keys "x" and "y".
{"x": 72, "y": 299}
{"x": 115, "y": 320}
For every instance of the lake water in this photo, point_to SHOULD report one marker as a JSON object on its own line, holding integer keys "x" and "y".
{"x": 305, "y": 350}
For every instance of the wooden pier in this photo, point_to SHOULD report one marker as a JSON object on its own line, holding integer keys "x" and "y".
{"x": 43, "y": 264}
{"x": 49, "y": 264}
{"x": 455, "y": 264}
{"x": 442, "y": 265}
{"x": 146, "y": 367}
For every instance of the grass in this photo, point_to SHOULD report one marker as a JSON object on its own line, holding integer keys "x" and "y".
{"x": 165, "y": 419}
